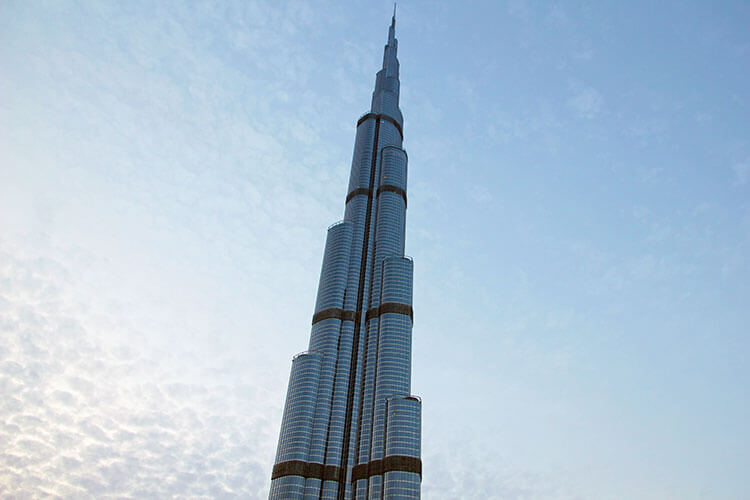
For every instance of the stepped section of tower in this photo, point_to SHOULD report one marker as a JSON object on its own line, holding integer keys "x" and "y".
{"x": 350, "y": 428}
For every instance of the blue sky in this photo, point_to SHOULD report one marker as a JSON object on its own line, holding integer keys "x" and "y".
{"x": 579, "y": 218}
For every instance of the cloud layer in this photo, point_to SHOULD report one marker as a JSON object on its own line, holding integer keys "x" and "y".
{"x": 578, "y": 220}
{"x": 82, "y": 417}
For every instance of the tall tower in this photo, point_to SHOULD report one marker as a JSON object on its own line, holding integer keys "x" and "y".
{"x": 351, "y": 430}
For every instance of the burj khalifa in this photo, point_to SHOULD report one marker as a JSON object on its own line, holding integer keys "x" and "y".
{"x": 351, "y": 428}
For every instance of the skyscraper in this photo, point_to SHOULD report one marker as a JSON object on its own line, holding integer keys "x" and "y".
{"x": 351, "y": 429}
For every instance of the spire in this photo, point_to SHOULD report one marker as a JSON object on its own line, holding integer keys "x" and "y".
{"x": 385, "y": 96}
{"x": 392, "y": 29}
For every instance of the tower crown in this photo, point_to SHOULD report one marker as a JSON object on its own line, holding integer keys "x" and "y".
{"x": 386, "y": 94}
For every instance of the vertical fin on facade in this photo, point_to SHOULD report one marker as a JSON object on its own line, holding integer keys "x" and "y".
{"x": 290, "y": 469}
{"x": 402, "y": 467}
{"x": 393, "y": 366}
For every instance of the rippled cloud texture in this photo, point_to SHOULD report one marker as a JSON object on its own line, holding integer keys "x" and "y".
{"x": 578, "y": 218}
{"x": 84, "y": 419}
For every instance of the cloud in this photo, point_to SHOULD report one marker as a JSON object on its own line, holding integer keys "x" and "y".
{"x": 80, "y": 420}
{"x": 559, "y": 16}
{"x": 472, "y": 471}
{"x": 163, "y": 248}
{"x": 587, "y": 103}
{"x": 479, "y": 194}
{"x": 139, "y": 283}
{"x": 519, "y": 9}
{"x": 742, "y": 173}
{"x": 583, "y": 54}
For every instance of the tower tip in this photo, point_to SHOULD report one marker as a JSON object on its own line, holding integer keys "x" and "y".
{"x": 393, "y": 19}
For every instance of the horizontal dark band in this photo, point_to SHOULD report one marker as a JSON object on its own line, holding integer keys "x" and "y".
{"x": 378, "y": 467}
{"x": 389, "y": 307}
{"x": 393, "y": 189}
{"x": 382, "y": 117}
{"x": 334, "y": 313}
{"x": 306, "y": 469}
{"x": 374, "y": 312}
{"x": 357, "y": 192}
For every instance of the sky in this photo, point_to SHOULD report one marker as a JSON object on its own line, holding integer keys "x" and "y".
{"x": 579, "y": 219}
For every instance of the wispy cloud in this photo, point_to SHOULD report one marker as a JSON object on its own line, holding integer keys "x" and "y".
{"x": 586, "y": 103}
{"x": 473, "y": 471}
{"x": 479, "y": 194}
{"x": 742, "y": 173}
{"x": 166, "y": 176}
{"x": 83, "y": 417}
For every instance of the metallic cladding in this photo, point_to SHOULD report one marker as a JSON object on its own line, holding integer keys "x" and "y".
{"x": 350, "y": 429}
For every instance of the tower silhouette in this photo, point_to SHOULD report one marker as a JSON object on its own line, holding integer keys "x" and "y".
{"x": 351, "y": 430}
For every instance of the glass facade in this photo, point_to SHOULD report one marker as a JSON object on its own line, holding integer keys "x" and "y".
{"x": 351, "y": 430}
